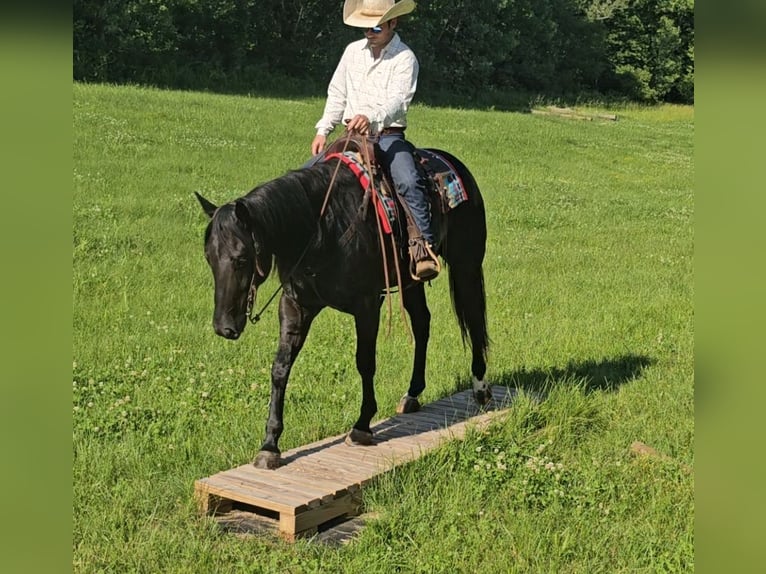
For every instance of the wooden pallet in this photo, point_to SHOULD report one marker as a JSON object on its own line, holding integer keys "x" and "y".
{"x": 320, "y": 482}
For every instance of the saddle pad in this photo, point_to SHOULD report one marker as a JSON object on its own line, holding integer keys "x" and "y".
{"x": 445, "y": 177}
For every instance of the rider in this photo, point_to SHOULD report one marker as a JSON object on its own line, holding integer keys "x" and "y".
{"x": 370, "y": 91}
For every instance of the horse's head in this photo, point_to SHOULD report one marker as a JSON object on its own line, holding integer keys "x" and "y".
{"x": 238, "y": 261}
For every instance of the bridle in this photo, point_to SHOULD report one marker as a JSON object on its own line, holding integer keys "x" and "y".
{"x": 251, "y": 301}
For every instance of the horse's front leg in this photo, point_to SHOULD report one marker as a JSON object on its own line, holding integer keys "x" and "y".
{"x": 367, "y": 321}
{"x": 414, "y": 299}
{"x": 294, "y": 323}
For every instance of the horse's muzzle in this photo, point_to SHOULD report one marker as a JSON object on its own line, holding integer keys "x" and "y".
{"x": 228, "y": 333}
{"x": 229, "y": 325}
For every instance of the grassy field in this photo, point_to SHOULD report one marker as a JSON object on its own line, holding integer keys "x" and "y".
{"x": 589, "y": 284}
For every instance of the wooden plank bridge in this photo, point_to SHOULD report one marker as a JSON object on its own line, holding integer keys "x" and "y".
{"x": 320, "y": 482}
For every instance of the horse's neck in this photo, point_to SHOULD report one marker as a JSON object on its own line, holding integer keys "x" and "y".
{"x": 285, "y": 214}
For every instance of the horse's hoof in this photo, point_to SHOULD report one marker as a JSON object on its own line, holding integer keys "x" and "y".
{"x": 359, "y": 438}
{"x": 482, "y": 394}
{"x": 407, "y": 404}
{"x": 267, "y": 460}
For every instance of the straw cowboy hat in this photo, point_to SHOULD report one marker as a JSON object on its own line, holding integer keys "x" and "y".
{"x": 370, "y": 13}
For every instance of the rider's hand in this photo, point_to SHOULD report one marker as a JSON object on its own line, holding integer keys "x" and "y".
{"x": 359, "y": 123}
{"x": 317, "y": 146}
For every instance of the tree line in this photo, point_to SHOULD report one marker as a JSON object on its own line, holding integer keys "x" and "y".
{"x": 640, "y": 50}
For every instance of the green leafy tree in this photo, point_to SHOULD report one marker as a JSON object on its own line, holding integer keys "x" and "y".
{"x": 649, "y": 45}
{"x": 638, "y": 49}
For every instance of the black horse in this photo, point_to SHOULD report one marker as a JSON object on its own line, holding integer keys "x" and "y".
{"x": 337, "y": 260}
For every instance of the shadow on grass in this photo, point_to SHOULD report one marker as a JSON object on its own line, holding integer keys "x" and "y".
{"x": 607, "y": 374}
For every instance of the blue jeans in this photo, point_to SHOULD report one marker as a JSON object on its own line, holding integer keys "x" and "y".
{"x": 398, "y": 160}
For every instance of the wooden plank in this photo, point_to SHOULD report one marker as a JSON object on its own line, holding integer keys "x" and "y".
{"x": 281, "y": 484}
{"x": 322, "y": 481}
{"x": 432, "y": 420}
{"x": 331, "y": 485}
{"x": 281, "y": 476}
{"x": 352, "y": 482}
{"x": 398, "y": 430}
{"x": 259, "y": 481}
{"x": 391, "y": 453}
{"x": 461, "y": 401}
{"x": 327, "y": 465}
{"x": 348, "y": 462}
{"x": 459, "y": 404}
{"x": 235, "y": 490}
{"x": 347, "y": 504}
{"x": 400, "y": 446}
{"x": 314, "y": 446}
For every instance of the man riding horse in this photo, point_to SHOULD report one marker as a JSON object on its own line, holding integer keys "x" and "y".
{"x": 370, "y": 91}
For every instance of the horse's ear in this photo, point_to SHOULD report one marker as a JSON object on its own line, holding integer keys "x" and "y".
{"x": 208, "y": 207}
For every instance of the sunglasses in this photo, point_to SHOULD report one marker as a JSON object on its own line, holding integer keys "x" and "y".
{"x": 376, "y": 30}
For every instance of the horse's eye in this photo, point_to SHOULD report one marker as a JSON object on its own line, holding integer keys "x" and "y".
{"x": 240, "y": 262}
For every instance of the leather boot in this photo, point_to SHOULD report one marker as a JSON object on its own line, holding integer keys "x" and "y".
{"x": 426, "y": 266}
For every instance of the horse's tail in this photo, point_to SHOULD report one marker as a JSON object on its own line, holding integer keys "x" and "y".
{"x": 464, "y": 251}
{"x": 470, "y": 305}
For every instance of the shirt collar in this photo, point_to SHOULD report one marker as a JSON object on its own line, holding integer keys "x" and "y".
{"x": 395, "y": 41}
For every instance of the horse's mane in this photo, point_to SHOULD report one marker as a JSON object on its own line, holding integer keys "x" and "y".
{"x": 289, "y": 206}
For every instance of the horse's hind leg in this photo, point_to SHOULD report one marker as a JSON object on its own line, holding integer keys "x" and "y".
{"x": 414, "y": 299}
{"x": 367, "y": 320}
{"x": 294, "y": 323}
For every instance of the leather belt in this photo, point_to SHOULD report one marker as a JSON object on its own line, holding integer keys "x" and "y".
{"x": 391, "y": 130}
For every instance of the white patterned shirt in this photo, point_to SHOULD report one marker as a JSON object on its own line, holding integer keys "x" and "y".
{"x": 380, "y": 89}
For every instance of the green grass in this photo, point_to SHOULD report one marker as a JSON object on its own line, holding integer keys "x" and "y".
{"x": 589, "y": 284}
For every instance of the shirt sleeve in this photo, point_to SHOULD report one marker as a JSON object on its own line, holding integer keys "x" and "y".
{"x": 336, "y": 99}
{"x": 402, "y": 87}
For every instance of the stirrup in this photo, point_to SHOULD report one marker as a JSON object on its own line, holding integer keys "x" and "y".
{"x": 420, "y": 250}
